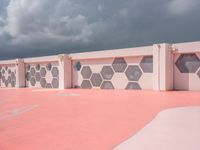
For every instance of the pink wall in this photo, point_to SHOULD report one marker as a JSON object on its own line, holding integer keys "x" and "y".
{"x": 159, "y": 67}
{"x": 116, "y": 73}
{"x": 187, "y": 66}
{"x": 187, "y": 79}
{"x": 42, "y": 75}
{"x": 7, "y": 75}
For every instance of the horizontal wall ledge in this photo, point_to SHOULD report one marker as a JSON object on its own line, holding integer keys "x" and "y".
{"x": 126, "y": 52}
{"x": 188, "y": 47}
{"x": 8, "y": 62}
{"x": 41, "y": 59}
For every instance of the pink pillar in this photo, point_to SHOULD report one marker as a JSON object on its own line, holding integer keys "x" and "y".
{"x": 163, "y": 67}
{"x": 64, "y": 71}
{"x": 156, "y": 67}
{"x": 20, "y": 73}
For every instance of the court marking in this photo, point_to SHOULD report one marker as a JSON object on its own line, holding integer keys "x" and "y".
{"x": 45, "y": 90}
{"x": 17, "y": 111}
{"x": 67, "y": 94}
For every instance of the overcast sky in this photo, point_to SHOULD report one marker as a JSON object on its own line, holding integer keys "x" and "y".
{"x": 46, "y": 27}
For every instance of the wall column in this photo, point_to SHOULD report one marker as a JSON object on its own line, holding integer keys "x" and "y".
{"x": 20, "y": 73}
{"x": 163, "y": 67}
{"x": 64, "y": 71}
{"x": 156, "y": 67}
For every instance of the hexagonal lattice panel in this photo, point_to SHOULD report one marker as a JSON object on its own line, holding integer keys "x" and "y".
{"x": 86, "y": 84}
{"x": 28, "y": 76}
{"x": 86, "y": 72}
{"x": 45, "y": 75}
{"x": 188, "y": 63}
{"x": 28, "y": 67}
{"x": 198, "y": 73}
{"x": 49, "y": 66}
{"x": 7, "y": 76}
{"x": 9, "y": 71}
{"x": 96, "y": 79}
{"x": 133, "y": 85}
{"x": 55, "y": 83}
{"x": 43, "y": 72}
{"x": 37, "y": 67}
{"x": 77, "y": 66}
{"x": 33, "y": 81}
{"x": 9, "y": 79}
{"x": 55, "y": 72}
{"x": 37, "y": 76}
{"x": 48, "y": 85}
{"x": 147, "y": 64}
{"x": 107, "y": 72}
{"x": 13, "y": 77}
{"x": 107, "y": 85}
{"x": 3, "y": 71}
{"x": 119, "y": 64}
{"x": 6, "y": 83}
{"x": 3, "y": 78}
{"x": 133, "y": 73}
{"x": 43, "y": 82}
{"x": 32, "y": 71}
{"x": 13, "y": 83}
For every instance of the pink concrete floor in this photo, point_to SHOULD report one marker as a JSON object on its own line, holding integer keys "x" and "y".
{"x": 79, "y": 119}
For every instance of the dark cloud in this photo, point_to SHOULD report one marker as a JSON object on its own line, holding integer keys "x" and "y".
{"x": 35, "y": 27}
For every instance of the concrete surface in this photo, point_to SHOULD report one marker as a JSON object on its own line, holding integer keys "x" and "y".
{"x": 173, "y": 129}
{"x": 75, "y": 119}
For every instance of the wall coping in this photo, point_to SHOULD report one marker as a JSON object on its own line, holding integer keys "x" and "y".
{"x": 125, "y": 52}
{"x": 41, "y": 59}
{"x": 8, "y": 62}
{"x": 187, "y": 47}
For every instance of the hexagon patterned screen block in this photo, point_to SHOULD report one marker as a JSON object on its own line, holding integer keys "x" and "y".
{"x": 115, "y": 73}
{"x": 44, "y": 75}
{"x": 188, "y": 63}
{"x": 187, "y": 71}
{"x": 7, "y": 76}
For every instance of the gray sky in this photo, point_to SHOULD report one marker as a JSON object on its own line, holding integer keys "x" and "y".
{"x": 46, "y": 27}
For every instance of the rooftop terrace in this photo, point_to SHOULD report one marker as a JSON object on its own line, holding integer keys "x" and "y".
{"x": 77, "y": 119}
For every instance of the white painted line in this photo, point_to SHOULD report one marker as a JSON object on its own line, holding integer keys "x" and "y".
{"x": 17, "y": 111}
{"x": 67, "y": 94}
{"x": 43, "y": 90}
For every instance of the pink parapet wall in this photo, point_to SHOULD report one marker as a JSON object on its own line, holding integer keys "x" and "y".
{"x": 158, "y": 67}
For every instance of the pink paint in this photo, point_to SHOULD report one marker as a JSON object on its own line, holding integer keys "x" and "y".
{"x": 95, "y": 119}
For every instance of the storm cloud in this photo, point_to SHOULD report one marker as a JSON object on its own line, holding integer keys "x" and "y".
{"x": 46, "y": 27}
